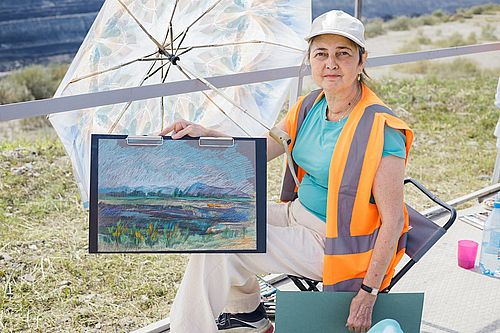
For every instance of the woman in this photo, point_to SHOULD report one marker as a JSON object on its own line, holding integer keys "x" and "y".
{"x": 351, "y": 154}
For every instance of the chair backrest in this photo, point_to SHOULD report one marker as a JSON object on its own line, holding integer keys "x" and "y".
{"x": 423, "y": 234}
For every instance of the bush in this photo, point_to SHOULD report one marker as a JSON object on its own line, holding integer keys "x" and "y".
{"x": 38, "y": 81}
{"x": 375, "y": 28}
{"x": 438, "y": 13}
{"x": 488, "y": 32}
{"x": 13, "y": 92}
{"x": 481, "y": 9}
{"x": 33, "y": 82}
{"x": 400, "y": 24}
{"x": 427, "y": 20}
{"x": 472, "y": 39}
{"x": 422, "y": 39}
{"x": 409, "y": 46}
{"x": 456, "y": 39}
{"x": 477, "y": 10}
{"x": 415, "y": 44}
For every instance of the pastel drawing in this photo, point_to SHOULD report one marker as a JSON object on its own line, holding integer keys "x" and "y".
{"x": 176, "y": 197}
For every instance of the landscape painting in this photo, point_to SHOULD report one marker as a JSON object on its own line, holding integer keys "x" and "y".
{"x": 175, "y": 197}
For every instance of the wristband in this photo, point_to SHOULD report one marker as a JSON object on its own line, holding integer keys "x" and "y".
{"x": 370, "y": 290}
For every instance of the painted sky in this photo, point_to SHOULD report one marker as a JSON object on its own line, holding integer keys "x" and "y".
{"x": 178, "y": 163}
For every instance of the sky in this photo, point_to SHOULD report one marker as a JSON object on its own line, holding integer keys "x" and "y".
{"x": 178, "y": 163}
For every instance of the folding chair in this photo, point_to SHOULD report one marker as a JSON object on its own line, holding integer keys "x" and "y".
{"x": 423, "y": 234}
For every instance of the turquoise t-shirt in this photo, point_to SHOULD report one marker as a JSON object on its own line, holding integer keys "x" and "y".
{"x": 313, "y": 151}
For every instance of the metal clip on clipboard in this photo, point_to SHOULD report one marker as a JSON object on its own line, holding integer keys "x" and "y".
{"x": 144, "y": 140}
{"x": 217, "y": 142}
{"x": 155, "y": 140}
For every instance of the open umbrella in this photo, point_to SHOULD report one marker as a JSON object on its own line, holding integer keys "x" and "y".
{"x": 139, "y": 42}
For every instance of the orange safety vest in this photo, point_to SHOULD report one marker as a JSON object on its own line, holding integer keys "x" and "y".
{"x": 352, "y": 218}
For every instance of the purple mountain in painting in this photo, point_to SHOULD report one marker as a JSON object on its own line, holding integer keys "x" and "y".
{"x": 203, "y": 190}
{"x": 164, "y": 190}
{"x": 194, "y": 190}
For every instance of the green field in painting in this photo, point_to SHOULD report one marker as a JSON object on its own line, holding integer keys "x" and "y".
{"x": 129, "y": 224}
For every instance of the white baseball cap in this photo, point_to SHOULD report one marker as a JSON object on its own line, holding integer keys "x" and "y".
{"x": 340, "y": 23}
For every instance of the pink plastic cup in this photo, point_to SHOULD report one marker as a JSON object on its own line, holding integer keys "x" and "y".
{"x": 467, "y": 251}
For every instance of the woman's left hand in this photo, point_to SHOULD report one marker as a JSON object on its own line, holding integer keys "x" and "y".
{"x": 183, "y": 127}
{"x": 360, "y": 312}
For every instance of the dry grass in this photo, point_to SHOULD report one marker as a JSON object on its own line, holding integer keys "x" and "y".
{"x": 48, "y": 281}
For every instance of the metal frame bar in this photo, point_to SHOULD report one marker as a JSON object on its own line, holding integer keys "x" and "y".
{"x": 83, "y": 101}
{"x": 484, "y": 192}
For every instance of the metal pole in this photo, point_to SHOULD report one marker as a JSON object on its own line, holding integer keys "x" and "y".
{"x": 357, "y": 8}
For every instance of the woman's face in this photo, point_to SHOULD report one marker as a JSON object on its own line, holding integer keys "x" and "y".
{"x": 335, "y": 62}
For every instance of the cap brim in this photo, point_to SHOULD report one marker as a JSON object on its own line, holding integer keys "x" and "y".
{"x": 336, "y": 32}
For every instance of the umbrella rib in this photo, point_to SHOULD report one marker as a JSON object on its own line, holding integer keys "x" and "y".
{"x": 110, "y": 69}
{"x": 166, "y": 73}
{"x": 171, "y": 38}
{"x": 160, "y": 47}
{"x": 204, "y": 13}
{"x": 112, "y": 128}
{"x": 197, "y": 19}
{"x": 183, "y": 52}
{"x": 221, "y": 93}
{"x": 180, "y": 43}
{"x": 218, "y": 107}
{"x": 169, "y": 30}
{"x": 156, "y": 70}
{"x": 115, "y": 123}
{"x": 245, "y": 42}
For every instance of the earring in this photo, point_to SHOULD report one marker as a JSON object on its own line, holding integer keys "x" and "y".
{"x": 359, "y": 77}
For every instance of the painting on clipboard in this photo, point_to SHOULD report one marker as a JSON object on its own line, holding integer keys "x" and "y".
{"x": 154, "y": 194}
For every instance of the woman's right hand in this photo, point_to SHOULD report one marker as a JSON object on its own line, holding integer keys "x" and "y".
{"x": 183, "y": 127}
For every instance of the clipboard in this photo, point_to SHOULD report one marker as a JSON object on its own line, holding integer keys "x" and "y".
{"x": 153, "y": 194}
{"x": 324, "y": 312}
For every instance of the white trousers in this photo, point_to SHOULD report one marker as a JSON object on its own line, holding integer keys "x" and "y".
{"x": 215, "y": 283}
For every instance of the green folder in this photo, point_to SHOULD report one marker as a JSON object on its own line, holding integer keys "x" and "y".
{"x": 318, "y": 312}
